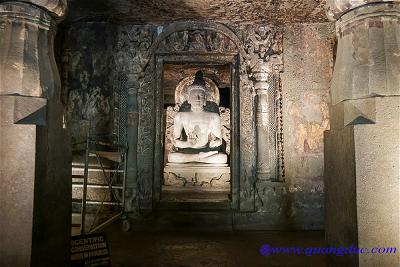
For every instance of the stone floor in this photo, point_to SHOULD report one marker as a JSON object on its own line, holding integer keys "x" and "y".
{"x": 192, "y": 249}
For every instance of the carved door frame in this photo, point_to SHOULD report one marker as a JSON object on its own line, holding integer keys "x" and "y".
{"x": 174, "y": 44}
{"x": 231, "y": 59}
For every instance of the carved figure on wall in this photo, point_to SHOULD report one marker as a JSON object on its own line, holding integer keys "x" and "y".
{"x": 178, "y": 40}
{"x": 263, "y": 45}
{"x": 196, "y": 41}
{"x": 197, "y": 134}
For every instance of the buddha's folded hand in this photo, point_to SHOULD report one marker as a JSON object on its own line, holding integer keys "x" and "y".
{"x": 215, "y": 143}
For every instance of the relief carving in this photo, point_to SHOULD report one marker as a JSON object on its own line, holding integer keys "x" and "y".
{"x": 132, "y": 60}
{"x": 247, "y": 141}
{"x": 197, "y": 41}
{"x": 131, "y": 49}
{"x": 263, "y": 46}
{"x": 259, "y": 45}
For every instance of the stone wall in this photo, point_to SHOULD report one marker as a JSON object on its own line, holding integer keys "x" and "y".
{"x": 96, "y": 53}
{"x": 89, "y": 72}
{"x": 298, "y": 201}
{"x": 308, "y": 62}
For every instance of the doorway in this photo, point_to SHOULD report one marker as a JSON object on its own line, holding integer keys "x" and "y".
{"x": 194, "y": 181}
{"x": 207, "y": 185}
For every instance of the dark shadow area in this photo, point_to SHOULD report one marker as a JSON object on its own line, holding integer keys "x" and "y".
{"x": 210, "y": 248}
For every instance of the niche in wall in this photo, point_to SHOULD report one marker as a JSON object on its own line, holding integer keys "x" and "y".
{"x": 212, "y": 183}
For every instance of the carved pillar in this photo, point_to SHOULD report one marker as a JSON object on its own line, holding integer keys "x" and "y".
{"x": 35, "y": 189}
{"x": 362, "y": 148}
{"x": 264, "y": 48}
{"x": 265, "y": 90}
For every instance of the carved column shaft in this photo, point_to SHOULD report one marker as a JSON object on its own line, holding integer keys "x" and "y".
{"x": 266, "y": 125}
{"x": 264, "y": 60}
{"x": 34, "y": 192}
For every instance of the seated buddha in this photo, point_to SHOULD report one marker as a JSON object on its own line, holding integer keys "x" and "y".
{"x": 197, "y": 135}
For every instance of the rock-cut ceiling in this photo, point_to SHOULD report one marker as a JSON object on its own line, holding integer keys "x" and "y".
{"x": 228, "y": 11}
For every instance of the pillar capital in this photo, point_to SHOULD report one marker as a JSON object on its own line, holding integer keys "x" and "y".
{"x": 273, "y": 65}
{"x": 263, "y": 78}
{"x": 367, "y": 53}
{"x": 56, "y": 8}
{"x": 22, "y": 13}
{"x": 369, "y": 15}
{"x": 336, "y": 8}
{"x": 27, "y": 30}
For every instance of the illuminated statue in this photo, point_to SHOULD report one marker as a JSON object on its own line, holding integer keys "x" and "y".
{"x": 197, "y": 133}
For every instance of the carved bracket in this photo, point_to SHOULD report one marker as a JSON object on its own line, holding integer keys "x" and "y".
{"x": 263, "y": 46}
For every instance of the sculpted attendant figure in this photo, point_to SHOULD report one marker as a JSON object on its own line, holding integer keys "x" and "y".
{"x": 197, "y": 134}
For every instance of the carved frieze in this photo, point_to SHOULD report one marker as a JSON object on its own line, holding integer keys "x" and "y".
{"x": 198, "y": 177}
{"x": 197, "y": 41}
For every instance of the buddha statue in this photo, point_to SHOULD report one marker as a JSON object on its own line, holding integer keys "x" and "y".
{"x": 197, "y": 135}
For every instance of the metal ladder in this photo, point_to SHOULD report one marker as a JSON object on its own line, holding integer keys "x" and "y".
{"x": 114, "y": 180}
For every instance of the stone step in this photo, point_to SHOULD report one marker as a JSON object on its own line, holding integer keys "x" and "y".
{"x": 79, "y": 161}
{"x": 96, "y": 175}
{"x": 94, "y": 194}
{"x": 93, "y": 206}
{"x": 194, "y": 206}
{"x": 185, "y": 194}
{"x": 173, "y": 220}
{"x": 79, "y": 184}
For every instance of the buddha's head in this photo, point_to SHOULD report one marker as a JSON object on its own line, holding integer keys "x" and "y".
{"x": 197, "y": 93}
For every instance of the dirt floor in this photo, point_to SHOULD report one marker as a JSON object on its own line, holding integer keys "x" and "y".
{"x": 196, "y": 248}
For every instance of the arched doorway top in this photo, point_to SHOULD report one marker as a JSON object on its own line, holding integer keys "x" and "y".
{"x": 196, "y": 25}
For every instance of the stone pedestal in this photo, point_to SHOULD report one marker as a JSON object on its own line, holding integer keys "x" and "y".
{"x": 35, "y": 191}
{"x": 362, "y": 148}
{"x": 198, "y": 176}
